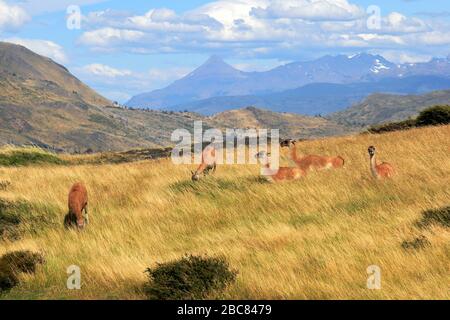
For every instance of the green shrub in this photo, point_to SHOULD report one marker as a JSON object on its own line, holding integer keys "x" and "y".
{"x": 22, "y": 261}
{"x": 434, "y": 116}
{"x": 9, "y": 222}
{"x": 17, "y": 218}
{"x": 191, "y": 277}
{"x": 429, "y": 117}
{"x": 393, "y": 126}
{"x": 25, "y": 158}
{"x": 8, "y": 279}
{"x": 439, "y": 216}
{"x": 13, "y": 263}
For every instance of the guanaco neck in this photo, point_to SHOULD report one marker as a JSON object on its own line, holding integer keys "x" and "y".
{"x": 373, "y": 166}
{"x": 294, "y": 152}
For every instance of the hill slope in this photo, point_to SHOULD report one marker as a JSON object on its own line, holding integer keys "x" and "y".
{"x": 42, "y": 103}
{"x": 309, "y": 239}
{"x": 380, "y": 108}
{"x": 290, "y": 125}
{"x": 26, "y": 77}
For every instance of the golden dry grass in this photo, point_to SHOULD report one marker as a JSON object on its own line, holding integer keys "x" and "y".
{"x": 309, "y": 239}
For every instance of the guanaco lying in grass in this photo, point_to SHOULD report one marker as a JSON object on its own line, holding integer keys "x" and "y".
{"x": 382, "y": 170}
{"x": 78, "y": 202}
{"x": 315, "y": 162}
{"x": 208, "y": 163}
{"x": 283, "y": 173}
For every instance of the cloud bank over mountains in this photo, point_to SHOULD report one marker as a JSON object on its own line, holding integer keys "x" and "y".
{"x": 260, "y": 28}
{"x": 242, "y": 31}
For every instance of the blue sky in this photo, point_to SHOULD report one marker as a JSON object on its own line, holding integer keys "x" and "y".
{"x": 127, "y": 47}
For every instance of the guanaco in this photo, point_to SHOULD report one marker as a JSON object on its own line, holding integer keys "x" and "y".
{"x": 78, "y": 202}
{"x": 209, "y": 162}
{"x": 382, "y": 170}
{"x": 283, "y": 173}
{"x": 314, "y": 162}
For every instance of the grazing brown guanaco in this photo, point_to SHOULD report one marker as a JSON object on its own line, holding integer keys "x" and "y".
{"x": 78, "y": 202}
{"x": 209, "y": 162}
{"x": 315, "y": 162}
{"x": 283, "y": 173}
{"x": 382, "y": 170}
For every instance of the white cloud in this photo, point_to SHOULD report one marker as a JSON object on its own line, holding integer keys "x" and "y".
{"x": 398, "y": 23}
{"x": 43, "y": 47}
{"x": 117, "y": 84}
{"x": 258, "y": 28}
{"x": 167, "y": 75}
{"x": 37, "y": 7}
{"x": 403, "y": 57}
{"x": 110, "y": 37}
{"x": 312, "y": 10}
{"x": 102, "y": 70}
{"x": 12, "y": 17}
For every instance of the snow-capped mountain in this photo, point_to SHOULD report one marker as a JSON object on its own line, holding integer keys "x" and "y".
{"x": 215, "y": 78}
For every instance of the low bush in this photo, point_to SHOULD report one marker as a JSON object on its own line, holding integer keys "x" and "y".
{"x": 13, "y": 263}
{"x": 28, "y": 157}
{"x": 9, "y": 222}
{"x": 17, "y": 218}
{"x": 440, "y": 216}
{"x": 191, "y": 277}
{"x": 432, "y": 116}
{"x": 393, "y": 126}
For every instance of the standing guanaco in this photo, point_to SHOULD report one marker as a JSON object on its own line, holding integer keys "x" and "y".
{"x": 382, "y": 170}
{"x": 209, "y": 162}
{"x": 283, "y": 173}
{"x": 314, "y": 162}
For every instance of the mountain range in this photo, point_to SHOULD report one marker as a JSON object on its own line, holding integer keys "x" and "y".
{"x": 42, "y": 103}
{"x": 321, "y": 86}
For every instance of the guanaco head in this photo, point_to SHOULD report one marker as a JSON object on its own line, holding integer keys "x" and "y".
{"x": 286, "y": 143}
{"x": 81, "y": 224}
{"x": 195, "y": 176}
{"x": 263, "y": 157}
{"x": 371, "y": 151}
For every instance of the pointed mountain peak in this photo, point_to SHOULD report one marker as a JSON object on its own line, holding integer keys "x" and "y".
{"x": 215, "y": 65}
{"x": 215, "y": 59}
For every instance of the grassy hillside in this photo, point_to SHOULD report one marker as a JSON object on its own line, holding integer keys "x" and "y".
{"x": 310, "y": 239}
{"x": 290, "y": 125}
{"x": 384, "y": 108}
{"x": 25, "y": 76}
{"x": 42, "y": 103}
